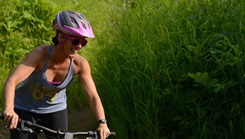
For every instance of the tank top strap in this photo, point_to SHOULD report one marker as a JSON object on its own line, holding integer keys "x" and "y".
{"x": 71, "y": 67}
{"x": 70, "y": 74}
{"x": 47, "y": 58}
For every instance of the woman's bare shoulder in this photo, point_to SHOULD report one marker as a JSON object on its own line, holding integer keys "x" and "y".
{"x": 79, "y": 60}
{"x": 37, "y": 54}
{"x": 36, "y": 57}
{"x": 41, "y": 48}
{"x": 39, "y": 51}
{"x": 81, "y": 64}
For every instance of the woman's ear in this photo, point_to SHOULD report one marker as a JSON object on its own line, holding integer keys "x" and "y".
{"x": 60, "y": 37}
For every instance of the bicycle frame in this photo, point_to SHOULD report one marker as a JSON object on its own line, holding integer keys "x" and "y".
{"x": 28, "y": 127}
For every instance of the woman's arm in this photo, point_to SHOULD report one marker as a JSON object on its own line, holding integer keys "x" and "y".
{"x": 21, "y": 72}
{"x": 93, "y": 97}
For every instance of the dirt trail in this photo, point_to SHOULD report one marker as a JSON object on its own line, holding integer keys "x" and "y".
{"x": 82, "y": 120}
{"x": 79, "y": 120}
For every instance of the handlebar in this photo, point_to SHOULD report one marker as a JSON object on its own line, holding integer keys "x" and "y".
{"x": 27, "y": 127}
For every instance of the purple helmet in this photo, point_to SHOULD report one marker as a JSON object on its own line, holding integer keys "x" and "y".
{"x": 73, "y": 23}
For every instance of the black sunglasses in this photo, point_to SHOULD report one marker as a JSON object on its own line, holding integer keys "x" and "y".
{"x": 76, "y": 41}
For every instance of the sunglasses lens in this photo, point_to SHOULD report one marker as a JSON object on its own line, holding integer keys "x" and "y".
{"x": 75, "y": 42}
{"x": 84, "y": 43}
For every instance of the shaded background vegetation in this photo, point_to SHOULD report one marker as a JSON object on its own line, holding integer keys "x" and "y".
{"x": 164, "y": 69}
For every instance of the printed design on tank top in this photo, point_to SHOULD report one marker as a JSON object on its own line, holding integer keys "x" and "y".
{"x": 41, "y": 93}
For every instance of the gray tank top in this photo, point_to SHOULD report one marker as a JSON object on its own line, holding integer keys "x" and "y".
{"x": 36, "y": 94}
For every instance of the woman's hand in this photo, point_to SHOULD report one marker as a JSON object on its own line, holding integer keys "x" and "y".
{"x": 103, "y": 131}
{"x": 11, "y": 118}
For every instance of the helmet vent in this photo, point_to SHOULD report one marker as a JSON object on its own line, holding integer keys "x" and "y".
{"x": 74, "y": 23}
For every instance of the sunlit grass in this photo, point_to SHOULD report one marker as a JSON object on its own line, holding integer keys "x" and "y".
{"x": 174, "y": 66}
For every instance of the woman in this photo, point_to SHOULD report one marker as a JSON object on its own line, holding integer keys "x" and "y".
{"x": 36, "y": 89}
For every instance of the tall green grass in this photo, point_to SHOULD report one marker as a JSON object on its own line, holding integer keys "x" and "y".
{"x": 174, "y": 69}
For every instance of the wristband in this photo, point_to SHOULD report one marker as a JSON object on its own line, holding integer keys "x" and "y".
{"x": 102, "y": 121}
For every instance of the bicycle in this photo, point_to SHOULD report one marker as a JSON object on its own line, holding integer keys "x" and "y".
{"x": 29, "y": 127}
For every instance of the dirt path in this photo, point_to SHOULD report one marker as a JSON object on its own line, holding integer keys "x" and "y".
{"x": 79, "y": 120}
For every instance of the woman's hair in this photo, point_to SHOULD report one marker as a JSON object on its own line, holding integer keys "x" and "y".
{"x": 55, "y": 39}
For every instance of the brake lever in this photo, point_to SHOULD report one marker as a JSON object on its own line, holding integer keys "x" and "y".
{"x": 24, "y": 129}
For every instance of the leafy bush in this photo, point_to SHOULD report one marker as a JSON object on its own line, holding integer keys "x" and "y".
{"x": 25, "y": 24}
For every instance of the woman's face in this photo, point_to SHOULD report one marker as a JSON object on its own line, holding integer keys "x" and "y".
{"x": 72, "y": 44}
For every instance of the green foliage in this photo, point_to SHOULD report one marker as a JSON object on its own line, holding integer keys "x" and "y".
{"x": 173, "y": 69}
{"x": 24, "y": 25}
